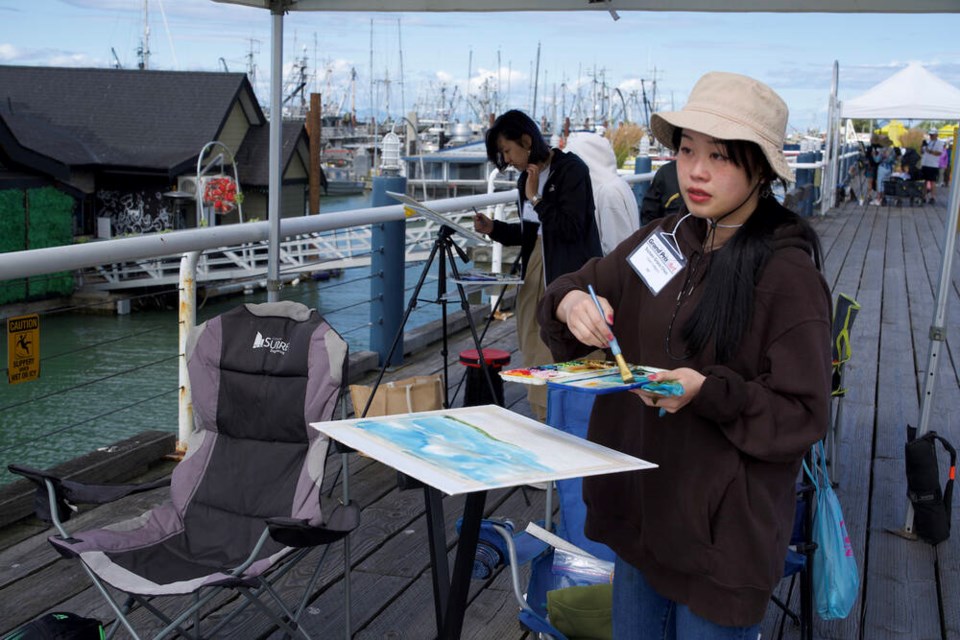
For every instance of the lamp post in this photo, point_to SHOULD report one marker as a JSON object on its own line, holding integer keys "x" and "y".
{"x": 387, "y": 262}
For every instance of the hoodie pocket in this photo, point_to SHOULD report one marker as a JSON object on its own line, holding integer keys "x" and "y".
{"x": 684, "y": 539}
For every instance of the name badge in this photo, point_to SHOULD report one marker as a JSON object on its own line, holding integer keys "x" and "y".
{"x": 656, "y": 261}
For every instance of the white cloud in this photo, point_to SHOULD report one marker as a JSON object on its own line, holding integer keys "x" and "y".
{"x": 8, "y": 52}
{"x": 11, "y": 54}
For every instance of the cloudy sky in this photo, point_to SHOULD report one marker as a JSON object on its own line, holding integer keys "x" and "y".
{"x": 794, "y": 53}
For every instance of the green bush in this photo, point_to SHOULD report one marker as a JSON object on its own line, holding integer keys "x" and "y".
{"x": 51, "y": 225}
{"x": 12, "y": 238}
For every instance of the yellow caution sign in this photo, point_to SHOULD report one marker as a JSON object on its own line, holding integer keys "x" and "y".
{"x": 23, "y": 348}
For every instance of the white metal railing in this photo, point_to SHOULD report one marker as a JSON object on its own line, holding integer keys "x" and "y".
{"x": 152, "y": 247}
{"x": 339, "y": 248}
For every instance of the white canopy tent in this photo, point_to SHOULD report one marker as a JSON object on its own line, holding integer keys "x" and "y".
{"x": 278, "y": 8}
{"x": 912, "y": 92}
{"x": 916, "y": 93}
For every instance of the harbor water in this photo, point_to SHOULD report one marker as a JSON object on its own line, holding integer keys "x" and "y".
{"x": 104, "y": 378}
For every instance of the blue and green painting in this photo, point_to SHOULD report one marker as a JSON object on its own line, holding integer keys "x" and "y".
{"x": 456, "y": 446}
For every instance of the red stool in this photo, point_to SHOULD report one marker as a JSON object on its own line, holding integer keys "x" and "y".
{"x": 477, "y": 391}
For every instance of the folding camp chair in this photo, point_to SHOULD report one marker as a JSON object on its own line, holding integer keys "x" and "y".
{"x": 798, "y": 564}
{"x": 844, "y": 313}
{"x": 568, "y": 410}
{"x": 245, "y": 502}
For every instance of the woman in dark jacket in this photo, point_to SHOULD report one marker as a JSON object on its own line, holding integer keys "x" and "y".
{"x": 557, "y": 232}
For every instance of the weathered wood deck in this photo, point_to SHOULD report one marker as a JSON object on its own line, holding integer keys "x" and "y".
{"x": 887, "y": 258}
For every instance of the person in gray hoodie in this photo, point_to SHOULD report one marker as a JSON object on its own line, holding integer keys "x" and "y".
{"x": 615, "y": 205}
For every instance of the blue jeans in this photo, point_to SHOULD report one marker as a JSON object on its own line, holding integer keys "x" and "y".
{"x": 640, "y": 613}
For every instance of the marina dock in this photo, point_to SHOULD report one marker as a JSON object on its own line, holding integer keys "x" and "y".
{"x": 887, "y": 257}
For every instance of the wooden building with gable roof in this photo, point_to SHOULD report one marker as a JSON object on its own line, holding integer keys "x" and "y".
{"x": 118, "y": 140}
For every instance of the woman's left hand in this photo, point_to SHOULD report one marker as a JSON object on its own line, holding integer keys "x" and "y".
{"x": 533, "y": 181}
{"x": 691, "y": 381}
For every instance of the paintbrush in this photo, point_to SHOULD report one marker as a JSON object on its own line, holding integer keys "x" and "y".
{"x": 625, "y": 372}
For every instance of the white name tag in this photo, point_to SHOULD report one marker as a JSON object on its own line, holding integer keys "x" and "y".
{"x": 656, "y": 261}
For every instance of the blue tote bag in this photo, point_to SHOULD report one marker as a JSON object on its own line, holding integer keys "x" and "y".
{"x": 836, "y": 581}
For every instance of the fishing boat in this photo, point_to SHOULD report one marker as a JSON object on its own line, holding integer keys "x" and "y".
{"x": 343, "y": 172}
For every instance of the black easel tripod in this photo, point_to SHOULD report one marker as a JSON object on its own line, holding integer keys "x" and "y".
{"x": 444, "y": 246}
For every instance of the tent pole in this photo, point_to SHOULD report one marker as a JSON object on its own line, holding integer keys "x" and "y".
{"x": 276, "y": 129}
{"x": 938, "y": 330}
{"x": 828, "y": 185}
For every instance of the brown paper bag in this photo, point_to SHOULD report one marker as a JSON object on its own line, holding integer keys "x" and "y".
{"x": 420, "y": 393}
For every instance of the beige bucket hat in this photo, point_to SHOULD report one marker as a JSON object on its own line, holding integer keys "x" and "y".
{"x": 729, "y": 106}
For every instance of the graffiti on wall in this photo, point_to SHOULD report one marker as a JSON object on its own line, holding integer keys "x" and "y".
{"x": 135, "y": 212}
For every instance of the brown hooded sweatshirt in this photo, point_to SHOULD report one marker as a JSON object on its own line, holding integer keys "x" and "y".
{"x": 710, "y": 527}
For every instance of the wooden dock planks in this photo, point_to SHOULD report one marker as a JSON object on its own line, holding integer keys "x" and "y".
{"x": 888, "y": 258}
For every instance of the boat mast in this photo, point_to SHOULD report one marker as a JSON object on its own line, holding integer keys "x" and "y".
{"x": 536, "y": 80}
{"x": 143, "y": 52}
{"x": 496, "y": 102}
{"x": 403, "y": 98}
{"x": 353, "y": 97}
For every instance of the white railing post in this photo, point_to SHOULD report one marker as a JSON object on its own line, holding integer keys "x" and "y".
{"x": 187, "y": 317}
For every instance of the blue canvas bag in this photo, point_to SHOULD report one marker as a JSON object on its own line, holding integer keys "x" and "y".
{"x": 836, "y": 580}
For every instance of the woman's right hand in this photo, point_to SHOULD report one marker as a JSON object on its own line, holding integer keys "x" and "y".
{"x": 482, "y": 224}
{"x": 578, "y": 311}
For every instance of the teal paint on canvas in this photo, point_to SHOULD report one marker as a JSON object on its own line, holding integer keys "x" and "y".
{"x": 455, "y": 445}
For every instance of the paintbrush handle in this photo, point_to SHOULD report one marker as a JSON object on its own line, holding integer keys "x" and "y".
{"x": 614, "y": 345}
{"x": 596, "y": 301}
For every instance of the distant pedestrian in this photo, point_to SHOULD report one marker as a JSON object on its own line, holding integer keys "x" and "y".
{"x": 944, "y": 166}
{"x": 884, "y": 167}
{"x": 930, "y": 162}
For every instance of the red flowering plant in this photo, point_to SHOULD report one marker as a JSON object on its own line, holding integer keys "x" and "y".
{"x": 222, "y": 194}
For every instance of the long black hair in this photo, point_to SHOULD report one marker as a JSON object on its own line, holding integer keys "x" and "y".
{"x": 725, "y": 309}
{"x": 513, "y": 125}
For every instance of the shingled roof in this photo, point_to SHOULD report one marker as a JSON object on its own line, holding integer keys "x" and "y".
{"x": 117, "y": 118}
{"x": 256, "y": 146}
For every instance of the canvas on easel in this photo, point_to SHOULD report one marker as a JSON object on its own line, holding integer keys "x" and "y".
{"x": 418, "y": 207}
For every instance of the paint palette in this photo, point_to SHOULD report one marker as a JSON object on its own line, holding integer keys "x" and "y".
{"x": 572, "y": 370}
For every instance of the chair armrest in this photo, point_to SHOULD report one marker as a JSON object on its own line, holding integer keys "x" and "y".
{"x": 294, "y": 532}
{"x": 67, "y": 493}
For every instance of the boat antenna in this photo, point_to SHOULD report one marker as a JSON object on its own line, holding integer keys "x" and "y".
{"x": 116, "y": 59}
{"x": 251, "y": 62}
